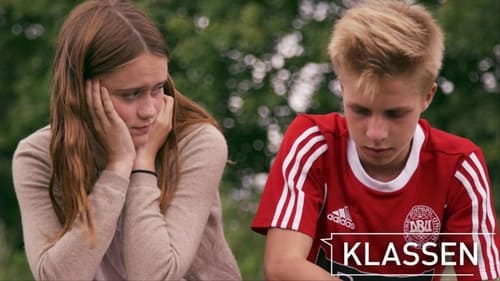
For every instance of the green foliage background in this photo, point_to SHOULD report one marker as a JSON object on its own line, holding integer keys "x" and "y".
{"x": 247, "y": 62}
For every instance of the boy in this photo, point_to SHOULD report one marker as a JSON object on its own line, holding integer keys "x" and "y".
{"x": 377, "y": 194}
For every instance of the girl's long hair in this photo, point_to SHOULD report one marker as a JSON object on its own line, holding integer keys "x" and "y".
{"x": 97, "y": 38}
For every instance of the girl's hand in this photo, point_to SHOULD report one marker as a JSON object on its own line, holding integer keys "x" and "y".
{"x": 112, "y": 132}
{"x": 162, "y": 126}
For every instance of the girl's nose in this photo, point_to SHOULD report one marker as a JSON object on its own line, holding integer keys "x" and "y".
{"x": 147, "y": 108}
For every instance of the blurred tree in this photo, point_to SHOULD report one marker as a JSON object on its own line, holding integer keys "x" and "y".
{"x": 27, "y": 38}
{"x": 255, "y": 65}
{"x": 469, "y": 102}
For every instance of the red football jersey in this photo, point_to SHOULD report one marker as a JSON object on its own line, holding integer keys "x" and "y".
{"x": 437, "y": 212}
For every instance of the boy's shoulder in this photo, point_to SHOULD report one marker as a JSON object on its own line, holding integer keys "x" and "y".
{"x": 444, "y": 142}
{"x": 330, "y": 123}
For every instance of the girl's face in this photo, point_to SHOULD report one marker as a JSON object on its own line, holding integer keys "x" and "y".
{"x": 382, "y": 127}
{"x": 136, "y": 91}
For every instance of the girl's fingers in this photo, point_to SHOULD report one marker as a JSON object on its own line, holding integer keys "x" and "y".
{"x": 96, "y": 99}
{"x": 106, "y": 103}
{"x": 162, "y": 127}
{"x": 111, "y": 132}
{"x": 98, "y": 104}
{"x": 166, "y": 113}
{"x": 108, "y": 106}
{"x": 89, "y": 93}
{"x": 169, "y": 102}
{"x": 168, "y": 107}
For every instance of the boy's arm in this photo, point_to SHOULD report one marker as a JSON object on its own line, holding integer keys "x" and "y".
{"x": 286, "y": 257}
{"x": 470, "y": 211}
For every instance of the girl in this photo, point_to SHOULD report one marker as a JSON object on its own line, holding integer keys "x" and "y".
{"x": 123, "y": 183}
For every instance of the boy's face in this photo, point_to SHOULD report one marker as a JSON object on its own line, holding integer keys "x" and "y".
{"x": 382, "y": 125}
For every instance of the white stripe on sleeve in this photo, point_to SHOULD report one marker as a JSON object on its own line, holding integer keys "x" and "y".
{"x": 292, "y": 175}
{"x": 300, "y": 184}
{"x": 284, "y": 167}
{"x": 475, "y": 221}
{"x": 295, "y": 155}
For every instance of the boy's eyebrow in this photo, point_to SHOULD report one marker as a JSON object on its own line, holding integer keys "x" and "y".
{"x": 354, "y": 103}
{"x": 397, "y": 108}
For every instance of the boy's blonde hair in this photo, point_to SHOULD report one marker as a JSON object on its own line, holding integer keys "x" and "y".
{"x": 380, "y": 39}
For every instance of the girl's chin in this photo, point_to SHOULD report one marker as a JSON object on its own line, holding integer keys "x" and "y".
{"x": 140, "y": 140}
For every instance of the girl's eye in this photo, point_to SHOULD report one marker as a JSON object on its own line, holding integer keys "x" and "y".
{"x": 158, "y": 90}
{"x": 130, "y": 96}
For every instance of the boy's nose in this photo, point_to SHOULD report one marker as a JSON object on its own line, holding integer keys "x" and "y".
{"x": 377, "y": 129}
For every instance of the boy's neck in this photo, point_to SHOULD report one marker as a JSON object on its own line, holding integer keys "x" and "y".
{"x": 383, "y": 174}
{"x": 386, "y": 173}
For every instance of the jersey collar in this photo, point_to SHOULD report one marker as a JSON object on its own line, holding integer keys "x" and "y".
{"x": 402, "y": 179}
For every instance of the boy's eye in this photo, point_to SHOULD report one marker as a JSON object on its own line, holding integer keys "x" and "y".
{"x": 395, "y": 114}
{"x": 361, "y": 111}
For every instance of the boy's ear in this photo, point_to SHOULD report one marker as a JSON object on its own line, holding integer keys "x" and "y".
{"x": 429, "y": 96}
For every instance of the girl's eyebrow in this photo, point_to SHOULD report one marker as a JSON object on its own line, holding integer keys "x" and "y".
{"x": 123, "y": 90}
{"x": 137, "y": 89}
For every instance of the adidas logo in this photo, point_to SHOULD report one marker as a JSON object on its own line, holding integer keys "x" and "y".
{"x": 342, "y": 217}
